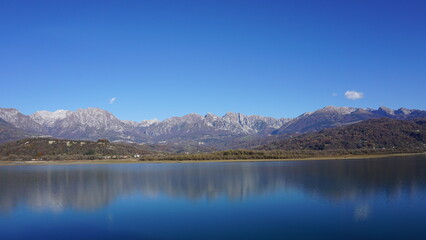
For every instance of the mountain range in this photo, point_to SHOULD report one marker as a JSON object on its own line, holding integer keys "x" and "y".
{"x": 219, "y": 132}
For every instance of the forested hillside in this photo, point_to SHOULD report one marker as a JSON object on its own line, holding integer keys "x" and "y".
{"x": 382, "y": 133}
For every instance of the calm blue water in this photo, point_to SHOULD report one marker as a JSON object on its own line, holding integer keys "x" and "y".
{"x": 351, "y": 199}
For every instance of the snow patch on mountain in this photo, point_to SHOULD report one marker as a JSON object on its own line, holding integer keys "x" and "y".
{"x": 338, "y": 110}
{"x": 19, "y": 120}
{"x": 9, "y": 114}
{"x": 147, "y": 123}
{"x": 47, "y": 118}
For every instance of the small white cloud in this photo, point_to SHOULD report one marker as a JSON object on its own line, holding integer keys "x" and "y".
{"x": 334, "y": 94}
{"x": 354, "y": 95}
{"x": 112, "y": 100}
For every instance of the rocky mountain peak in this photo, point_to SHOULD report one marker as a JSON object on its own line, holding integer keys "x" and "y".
{"x": 49, "y": 118}
{"x": 189, "y": 118}
{"x": 19, "y": 120}
{"x": 92, "y": 111}
{"x": 8, "y": 114}
{"x": 339, "y": 110}
{"x": 386, "y": 110}
{"x": 210, "y": 116}
{"x": 232, "y": 115}
{"x": 405, "y": 111}
{"x": 147, "y": 123}
{"x": 95, "y": 118}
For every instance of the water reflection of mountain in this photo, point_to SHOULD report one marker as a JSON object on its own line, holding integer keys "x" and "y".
{"x": 94, "y": 186}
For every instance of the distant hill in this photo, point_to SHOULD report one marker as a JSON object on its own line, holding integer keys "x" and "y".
{"x": 381, "y": 133}
{"x": 330, "y": 116}
{"x": 59, "y": 149}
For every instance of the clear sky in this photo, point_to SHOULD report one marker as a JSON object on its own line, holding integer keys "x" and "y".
{"x": 159, "y": 59}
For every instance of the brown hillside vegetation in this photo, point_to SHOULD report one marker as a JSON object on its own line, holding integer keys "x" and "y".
{"x": 370, "y": 134}
{"x": 58, "y": 149}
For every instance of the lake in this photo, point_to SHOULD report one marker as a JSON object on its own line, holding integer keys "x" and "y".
{"x": 330, "y": 199}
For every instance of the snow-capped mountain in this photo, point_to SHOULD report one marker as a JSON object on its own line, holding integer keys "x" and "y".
{"x": 19, "y": 120}
{"x": 47, "y": 118}
{"x": 90, "y": 123}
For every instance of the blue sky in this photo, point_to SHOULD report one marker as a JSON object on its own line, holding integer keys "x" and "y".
{"x": 169, "y": 58}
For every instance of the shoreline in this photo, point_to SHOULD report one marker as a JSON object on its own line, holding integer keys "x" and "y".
{"x": 133, "y": 160}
